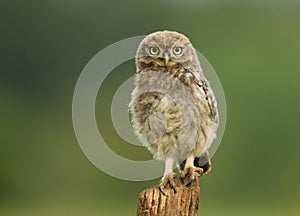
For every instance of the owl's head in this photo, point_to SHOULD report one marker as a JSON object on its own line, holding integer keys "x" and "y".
{"x": 165, "y": 49}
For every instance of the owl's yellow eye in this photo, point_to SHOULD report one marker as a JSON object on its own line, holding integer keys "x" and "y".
{"x": 154, "y": 50}
{"x": 177, "y": 50}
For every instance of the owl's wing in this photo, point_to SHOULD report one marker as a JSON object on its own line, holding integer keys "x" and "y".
{"x": 206, "y": 92}
{"x": 209, "y": 101}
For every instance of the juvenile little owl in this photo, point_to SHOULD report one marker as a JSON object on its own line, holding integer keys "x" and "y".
{"x": 173, "y": 108}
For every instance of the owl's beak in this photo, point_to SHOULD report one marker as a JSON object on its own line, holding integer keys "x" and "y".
{"x": 166, "y": 57}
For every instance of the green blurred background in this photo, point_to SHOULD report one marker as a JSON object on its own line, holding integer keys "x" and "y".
{"x": 255, "y": 49}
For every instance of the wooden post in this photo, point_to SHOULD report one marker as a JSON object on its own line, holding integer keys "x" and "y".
{"x": 185, "y": 202}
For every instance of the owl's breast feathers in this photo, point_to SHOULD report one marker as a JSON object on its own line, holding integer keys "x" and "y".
{"x": 173, "y": 111}
{"x": 199, "y": 87}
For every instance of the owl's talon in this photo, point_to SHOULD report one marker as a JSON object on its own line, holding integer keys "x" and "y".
{"x": 168, "y": 180}
{"x": 189, "y": 174}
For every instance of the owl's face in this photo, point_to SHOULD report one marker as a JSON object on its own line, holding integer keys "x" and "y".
{"x": 165, "y": 49}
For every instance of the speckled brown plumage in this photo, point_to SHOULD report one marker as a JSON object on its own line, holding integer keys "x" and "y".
{"x": 174, "y": 111}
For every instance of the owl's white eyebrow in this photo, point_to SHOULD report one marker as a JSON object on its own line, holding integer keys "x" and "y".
{"x": 152, "y": 44}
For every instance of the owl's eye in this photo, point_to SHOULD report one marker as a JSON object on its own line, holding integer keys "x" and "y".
{"x": 154, "y": 50}
{"x": 177, "y": 50}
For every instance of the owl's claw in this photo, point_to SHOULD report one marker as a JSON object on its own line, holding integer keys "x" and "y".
{"x": 189, "y": 174}
{"x": 168, "y": 180}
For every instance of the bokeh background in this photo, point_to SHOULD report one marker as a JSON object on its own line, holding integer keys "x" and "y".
{"x": 254, "y": 47}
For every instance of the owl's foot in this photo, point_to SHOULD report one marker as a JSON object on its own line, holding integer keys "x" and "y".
{"x": 190, "y": 173}
{"x": 168, "y": 181}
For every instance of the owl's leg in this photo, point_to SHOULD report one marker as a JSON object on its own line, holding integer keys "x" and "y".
{"x": 169, "y": 175}
{"x": 179, "y": 167}
{"x": 190, "y": 171}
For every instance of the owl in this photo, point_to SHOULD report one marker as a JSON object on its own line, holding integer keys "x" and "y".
{"x": 173, "y": 108}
